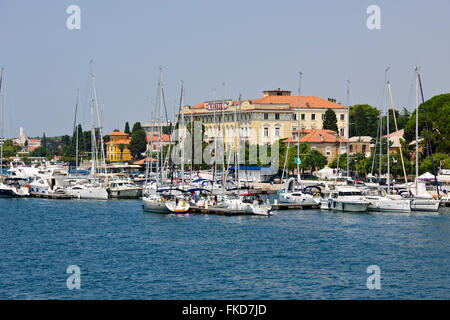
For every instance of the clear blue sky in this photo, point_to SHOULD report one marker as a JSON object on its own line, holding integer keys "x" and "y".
{"x": 249, "y": 45}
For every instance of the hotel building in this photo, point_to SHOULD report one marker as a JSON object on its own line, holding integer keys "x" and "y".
{"x": 264, "y": 120}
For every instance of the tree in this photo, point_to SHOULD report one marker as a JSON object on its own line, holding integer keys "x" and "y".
{"x": 330, "y": 121}
{"x": 314, "y": 160}
{"x": 9, "y": 150}
{"x": 127, "y": 128}
{"x": 364, "y": 120}
{"x": 438, "y": 115}
{"x": 138, "y": 143}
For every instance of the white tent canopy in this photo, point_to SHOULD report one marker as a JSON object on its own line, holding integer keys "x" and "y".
{"x": 326, "y": 173}
{"x": 427, "y": 176}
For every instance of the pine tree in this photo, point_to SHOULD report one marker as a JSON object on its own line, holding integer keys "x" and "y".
{"x": 127, "y": 128}
{"x": 330, "y": 121}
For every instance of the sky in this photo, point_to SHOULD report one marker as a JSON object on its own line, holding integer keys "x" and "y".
{"x": 249, "y": 45}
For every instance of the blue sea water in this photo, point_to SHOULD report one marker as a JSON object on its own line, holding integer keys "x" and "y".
{"x": 125, "y": 253}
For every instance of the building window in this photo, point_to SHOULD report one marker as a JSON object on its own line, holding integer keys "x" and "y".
{"x": 323, "y": 116}
{"x": 364, "y": 148}
{"x": 266, "y": 132}
{"x": 342, "y": 117}
{"x": 266, "y": 116}
{"x": 328, "y": 151}
{"x": 351, "y": 148}
{"x": 303, "y": 116}
{"x": 277, "y": 116}
{"x": 313, "y": 116}
{"x": 343, "y": 150}
{"x": 295, "y": 116}
{"x": 277, "y": 132}
{"x": 342, "y": 132}
{"x": 313, "y": 148}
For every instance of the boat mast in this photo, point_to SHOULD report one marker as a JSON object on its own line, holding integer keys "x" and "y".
{"x": 428, "y": 134}
{"x": 387, "y": 142}
{"x": 215, "y": 140}
{"x": 93, "y": 140}
{"x": 396, "y": 129}
{"x": 182, "y": 134}
{"x": 300, "y": 74}
{"x": 2, "y": 93}
{"x": 238, "y": 141}
{"x": 417, "y": 128}
{"x": 223, "y": 139}
{"x": 348, "y": 128}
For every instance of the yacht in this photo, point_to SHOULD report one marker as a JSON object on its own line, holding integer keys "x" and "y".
{"x": 344, "y": 198}
{"x": 86, "y": 189}
{"x": 292, "y": 194}
{"x": 119, "y": 188}
{"x": 14, "y": 188}
{"x": 381, "y": 202}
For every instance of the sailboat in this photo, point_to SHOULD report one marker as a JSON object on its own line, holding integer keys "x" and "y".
{"x": 421, "y": 199}
{"x": 91, "y": 188}
{"x": 292, "y": 193}
{"x": 13, "y": 187}
{"x": 170, "y": 199}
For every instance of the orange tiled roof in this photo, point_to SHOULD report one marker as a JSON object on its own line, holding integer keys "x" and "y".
{"x": 118, "y": 133}
{"x": 143, "y": 161}
{"x": 120, "y": 141}
{"x": 165, "y": 138}
{"x": 318, "y": 136}
{"x": 308, "y": 102}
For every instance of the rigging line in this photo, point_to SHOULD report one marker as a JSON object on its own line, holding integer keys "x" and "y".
{"x": 428, "y": 133}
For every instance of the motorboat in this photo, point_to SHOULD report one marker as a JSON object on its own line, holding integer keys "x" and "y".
{"x": 14, "y": 188}
{"x": 381, "y": 202}
{"x": 123, "y": 189}
{"x": 44, "y": 185}
{"x": 292, "y": 193}
{"x": 344, "y": 198}
{"x": 86, "y": 189}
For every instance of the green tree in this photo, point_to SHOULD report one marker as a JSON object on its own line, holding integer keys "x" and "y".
{"x": 330, "y": 121}
{"x": 10, "y": 150}
{"x": 314, "y": 160}
{"x": 364, "y": 120}
{"x": 138, "y": 142}
{"x": 438, "y": 115}
{"x": 127, "y": 128}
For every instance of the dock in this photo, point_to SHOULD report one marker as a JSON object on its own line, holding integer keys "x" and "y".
{"x": 218, "y": 211}
{"x": 61, "y": 196}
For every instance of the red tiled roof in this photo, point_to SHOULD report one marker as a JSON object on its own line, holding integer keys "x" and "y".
{"x": 318, "y": 136}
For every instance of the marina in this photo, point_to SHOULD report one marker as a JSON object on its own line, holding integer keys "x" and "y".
{"x": 228, "y": 151}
